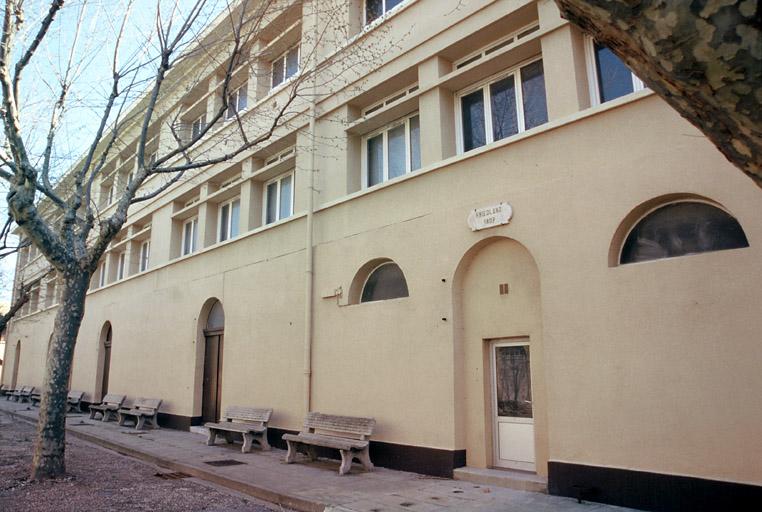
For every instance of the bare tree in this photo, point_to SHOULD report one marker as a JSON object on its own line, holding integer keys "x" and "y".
{"x": 9, "y": 247}
{"x": 63, "y": 219}
{"x": 703, "y": 58}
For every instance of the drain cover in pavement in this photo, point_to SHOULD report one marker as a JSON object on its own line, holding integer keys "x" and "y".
{"x": 223, "y": 462}
{"x": 172, "y": 476}
{"x": 80, "y": 425}
{"x": 134, "y": 432}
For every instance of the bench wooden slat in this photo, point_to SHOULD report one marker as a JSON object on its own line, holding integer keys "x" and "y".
{"x": 250, "y": 422}
{"x": 236, "y": 427}
{"x": 341, "y": 424}
{"x": 338, "y": 443}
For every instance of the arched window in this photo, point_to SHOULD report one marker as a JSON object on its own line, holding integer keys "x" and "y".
{"x": 216, "y": 319}
{"x": 386, "y": 281}
{"x": 679, "y": 229}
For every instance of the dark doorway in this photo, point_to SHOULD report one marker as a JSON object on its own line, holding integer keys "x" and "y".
{"x": 212, "y": 386}
{"x": 106, "y": 361}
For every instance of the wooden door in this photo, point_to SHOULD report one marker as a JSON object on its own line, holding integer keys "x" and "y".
{"x": 210, "y": 404}
{"x": 106, "y": 363}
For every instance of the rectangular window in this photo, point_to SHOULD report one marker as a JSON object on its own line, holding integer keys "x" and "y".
{"x": 285, "y": 66}
{"x": 198, "y": 126}
{"x": 374, "y": 9}
{"x": 190, "y": 236}
{"x": 102, "y": 275}
{"x": 393, "y": 151}
{"x": 279, "y": 198}
{"x": 145, "y": 255}
{"x": 500, "y": 108}
{"x": 121, "y": 266}
{"x": 609, "y": 77}
{"x": 237, "y": 101}
{"x": 229, "y": 220}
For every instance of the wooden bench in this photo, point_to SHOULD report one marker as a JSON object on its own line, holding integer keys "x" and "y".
{"x": 348, "y": 434}
{"x": 108, "y": 407}
{"x": 74, "y": 401}
{"x": 35, "y": 398}
{"x": 4, "y": 390}
{"x": 144, "y": 411}
{"x": 8, "y": 392}
{"x": 23, "y": 395}
{"x": 250, "y": 422}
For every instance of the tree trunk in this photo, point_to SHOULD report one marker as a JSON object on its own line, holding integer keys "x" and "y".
{"x": 48, "y": 460}
{"x": 703, "y": 58}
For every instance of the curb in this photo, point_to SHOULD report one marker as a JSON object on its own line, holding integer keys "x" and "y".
{"x": 262, "y": 493}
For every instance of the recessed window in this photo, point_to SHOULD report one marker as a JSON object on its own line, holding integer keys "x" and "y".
{"x": 121, "y": 266}
{"x": 392, "y": 151}
{"x": 285, "y": 66}
{"x": 680, "y": 229}
{"x": 609, "y": 77}
{"x": 385, "y": 282}
{"x": 374, "y": 9}
{"x": 190, "y": 236}
{"x": 500, "y": 108}
{"x": 237, "y": 101}
{"x": 279, "y": 198}
{"x": 228, "y": 216}
{"x": 197, "y": 126}
{"x": 145, "y": 255}
{"x": 102, "y": 275}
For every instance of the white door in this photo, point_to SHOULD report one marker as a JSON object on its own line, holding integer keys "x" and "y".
{"x": 512, "y": 405}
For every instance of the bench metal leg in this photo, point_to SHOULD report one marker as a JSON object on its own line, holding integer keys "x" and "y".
{"x": 248, "y": 438}
{"x": 291, "y": 455}
{"x": 364, "y": 458}
{"x": 346, "y": 462}
{"x": 212, "y": 437}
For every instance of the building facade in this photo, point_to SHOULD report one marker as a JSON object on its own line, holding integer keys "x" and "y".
{"x": 495, "y": 241}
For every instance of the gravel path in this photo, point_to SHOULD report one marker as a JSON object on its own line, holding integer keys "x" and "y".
{"x": 99, "y": 480}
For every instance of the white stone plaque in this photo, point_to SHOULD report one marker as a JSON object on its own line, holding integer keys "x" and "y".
{"x": 490, "y": 216}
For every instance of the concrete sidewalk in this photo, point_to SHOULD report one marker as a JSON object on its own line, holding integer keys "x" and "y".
{"x": 305, "y": 486}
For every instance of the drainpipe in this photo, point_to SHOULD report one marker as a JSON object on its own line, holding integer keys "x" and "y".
{"x": 309, "y": 250}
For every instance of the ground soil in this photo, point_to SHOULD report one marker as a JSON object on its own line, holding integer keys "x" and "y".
{"x": 100, "y": 480}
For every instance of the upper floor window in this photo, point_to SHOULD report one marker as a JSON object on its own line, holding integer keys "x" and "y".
{"x": 102, "y": 275}
{"x": 190, "y": 236}
{"x": 236, "y": 101}
{"x": 121, "y": 267}
{"x": 513, "y": 103}
{"x": 374, "y": 9}
{"x": 145, "y": 255}
{"x": 197, "y": 126}
{"x": 279, "y": 198}
{"x": 285, "y": 66}
{"x": 392, "y": 151}
{"x": 385, "y": 282}
{"x": 609, "y": 77}
{"x": 228, "y": 216}
{"x": 680, "y": 229}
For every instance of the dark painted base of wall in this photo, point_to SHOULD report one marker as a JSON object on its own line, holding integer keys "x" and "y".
{"x": 650, "y": 491}
{"x": 427, "y": 461}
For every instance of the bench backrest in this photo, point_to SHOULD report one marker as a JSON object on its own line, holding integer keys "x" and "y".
{"x": 113, "y": 399}
{"x": 147, "y": 404}
{"x": 237, "y": 413}
{"x": 339, "y": 426}
{"x": 75, "y": 395}
{"x": 29, "y": 390}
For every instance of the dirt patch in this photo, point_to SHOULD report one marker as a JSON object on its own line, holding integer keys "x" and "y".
{"x": 99, "y": 479}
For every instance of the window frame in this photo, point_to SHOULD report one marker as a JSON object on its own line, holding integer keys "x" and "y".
{"x": 235, "y": 93}
{"x": 386, "y": 12}
{"x": 284, "y": 56}
{"x": 484, "y": 85}
{"x": 102, "y": 274}
{"x": 384, "y": 130}
{"x": 121, "y": 265}
{"x": 144, "y": 255}
{"x": 593, "y": 84}
{"x": 193, "y": 222}
{"x": 278, "y": 179}
{"x": 199, "y": 122}
{"x": 373, "y": 271}
{"x": 229, "y": 224}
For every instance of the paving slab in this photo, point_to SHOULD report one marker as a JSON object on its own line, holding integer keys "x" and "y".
{"x": 306, "y": 486}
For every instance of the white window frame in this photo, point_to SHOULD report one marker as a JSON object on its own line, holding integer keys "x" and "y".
{"x": 283, "y": 56}
{"x": 193, "y": 223}
{"x": 386, "y": 12}
{"x": 592, "y": 74}
{"x": 144, "y": 256}
{"x": 385, "y": 131}
{"x": 102, "y": 274}
{"x": 121, "y": 266}
{"x": 485, "y": 86}
{"x": 198, "y": 125}
{"x": 235, "y": 96}
{"x": 229, "y": 226}
{"x": 278, "y": 179}
{"x": 513, "y": 37}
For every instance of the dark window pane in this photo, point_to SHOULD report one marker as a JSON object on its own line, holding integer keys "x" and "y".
{"x": 386, "y": 282}
{"x": 472, "y": 107}
{"x": 396, "y": 151}
{"x": 513, "y": 382}
{"x": 224, "y": 222}
{"x": 285, "y": 197}
{"x": 391, "y": 4}
{"x": 242, "y": 98}
{"x": 375, "y": 160}
{"x": 278, "y": 71}
{"x": 614, "y": 78}
{"x": 504, "y": 119}
{"x": 235, "y": 214}
{"x": 373, "y": 9}
{"x": 415, "y": 143}
{"x": 272, "y": 202}
{"x": 292, "y": 62}
{"x": 680, "y": 229}
{"x": 533, "y": 92}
